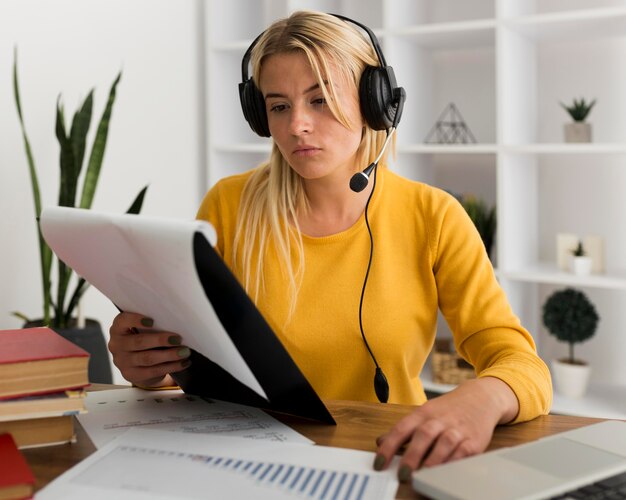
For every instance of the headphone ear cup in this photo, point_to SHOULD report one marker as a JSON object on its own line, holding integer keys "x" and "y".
{"x": 376, "y": 97}
{"x": 253, "y": 107}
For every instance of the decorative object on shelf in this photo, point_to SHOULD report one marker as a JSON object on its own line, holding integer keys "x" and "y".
{"x": 594, "y": 247}
{"x": 571, "y": 317}
{"x": 580, "y": 262}
{"x": 58, "y": 312}
{"x": 450, "y": 128}
{"x": 447, "y": 366}
{"x": 579, "y": 131}
{"x": 483, "y": 217}
{"x": 565, "y": 242}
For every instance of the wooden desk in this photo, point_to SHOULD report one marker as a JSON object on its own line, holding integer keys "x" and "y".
{"x": 358, "y": 425}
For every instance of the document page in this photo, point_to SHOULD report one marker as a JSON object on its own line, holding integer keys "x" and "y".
{"x": 111, "y": 413}
{"x": 149, "y": 464}
{"x": 146, "y": 265}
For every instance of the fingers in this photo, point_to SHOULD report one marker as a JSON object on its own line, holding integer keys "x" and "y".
{"x": 144, "y": 356}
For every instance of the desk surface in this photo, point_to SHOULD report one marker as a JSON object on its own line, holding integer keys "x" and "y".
{"x": 358, "y": 425}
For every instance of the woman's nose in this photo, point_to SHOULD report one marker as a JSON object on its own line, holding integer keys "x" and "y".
{"x": 300, "y": 120}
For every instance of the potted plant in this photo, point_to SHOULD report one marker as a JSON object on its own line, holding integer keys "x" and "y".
{"x": 571, "y": 317}
{"x": 59, "y": 309}
{"x": 580, "y": 262}
{"x": 579, "y": 130}
{"x": 483, "y": 217}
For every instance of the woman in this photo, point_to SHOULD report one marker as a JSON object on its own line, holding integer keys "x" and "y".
{"x": 296, "y": 236}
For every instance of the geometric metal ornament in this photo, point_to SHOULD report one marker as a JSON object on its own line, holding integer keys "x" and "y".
{"x": 450, "y": 128}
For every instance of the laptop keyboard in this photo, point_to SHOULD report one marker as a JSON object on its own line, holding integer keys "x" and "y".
{"x": 611, "y": 488}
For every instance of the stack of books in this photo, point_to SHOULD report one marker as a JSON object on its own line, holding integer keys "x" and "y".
{"x": 42, "y": 381}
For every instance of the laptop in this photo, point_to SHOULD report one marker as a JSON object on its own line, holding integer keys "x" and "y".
{"x": 549, "y": 467}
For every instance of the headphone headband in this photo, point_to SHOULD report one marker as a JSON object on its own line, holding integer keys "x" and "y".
{"x": 380, "y": 98}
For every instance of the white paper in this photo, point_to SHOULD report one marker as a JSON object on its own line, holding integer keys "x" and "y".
{"x": 145, "y": 464}
{"x": 111, "y": 413}
{"x": 147, "y": 267}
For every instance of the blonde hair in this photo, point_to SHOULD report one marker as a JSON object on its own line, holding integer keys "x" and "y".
{"x": 274, "y": 194}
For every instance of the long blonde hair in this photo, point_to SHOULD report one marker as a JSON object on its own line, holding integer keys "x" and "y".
{"x": 274, "y": 194}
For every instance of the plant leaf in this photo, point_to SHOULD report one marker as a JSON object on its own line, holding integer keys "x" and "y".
{"x": 136, "y": 205}
{"x": 78, "y": 132}
{"x": 97, "y": 150}
{"x": 81, "y": 288}
{"x": 45, "y": 254}
{"x": 67, "y": 184}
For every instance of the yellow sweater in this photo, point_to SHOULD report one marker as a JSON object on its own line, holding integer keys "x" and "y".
{"x": 427, "y": 255}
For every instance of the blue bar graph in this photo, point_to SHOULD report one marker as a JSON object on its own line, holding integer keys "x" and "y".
{"x": 293, "y": 480}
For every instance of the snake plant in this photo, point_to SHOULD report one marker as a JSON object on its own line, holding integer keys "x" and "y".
{"x": 58, "y": 308}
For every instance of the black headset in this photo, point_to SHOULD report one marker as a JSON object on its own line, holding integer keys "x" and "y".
{"x": 380, "y": 98}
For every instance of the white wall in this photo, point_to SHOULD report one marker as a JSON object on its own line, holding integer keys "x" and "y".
{"x": 156, "y": 132}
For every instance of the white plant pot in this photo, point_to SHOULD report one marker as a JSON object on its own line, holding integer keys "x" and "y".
{"x": 581, "y": 265}
{"x": 577, "y": 132}
{"x": 570, "y": 380}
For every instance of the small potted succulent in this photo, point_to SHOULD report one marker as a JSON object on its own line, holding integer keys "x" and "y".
{"x": 580, "y": 262}
{"x": 579, "y": 130}
{"x": 571, "y": 317}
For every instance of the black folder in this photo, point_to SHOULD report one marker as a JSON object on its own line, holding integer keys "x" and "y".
{"x": 283, "y": 382}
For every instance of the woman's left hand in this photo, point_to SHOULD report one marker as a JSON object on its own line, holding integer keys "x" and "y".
{"x": 451, "y": 426}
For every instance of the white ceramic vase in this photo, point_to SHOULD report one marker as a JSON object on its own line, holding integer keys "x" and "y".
{"x": 570, "y": 380}
{"x": 581, "y": 265}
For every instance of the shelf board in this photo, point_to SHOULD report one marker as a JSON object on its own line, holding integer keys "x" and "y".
{"x": 572, "y": 25}
{"x": 453, "y": 35}
{"x": 600, "y": 401}
{"x": 548, "y": 273}
{"x": 566, "y": 148}
{"x": 537, "y": 148}
{"x": 448, "y": 148}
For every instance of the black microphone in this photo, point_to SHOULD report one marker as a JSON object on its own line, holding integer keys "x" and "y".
{"x": 359, "y": 181}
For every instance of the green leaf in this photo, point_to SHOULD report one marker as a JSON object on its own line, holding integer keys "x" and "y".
{"x": 136, "y": 205}
{"x": 21, "y": 316}
{"x": 45, "y": 254}
{"x": 81, "y": 288}
{"x": 69, "y": 177}
{"x": 97, "y": 150}
{"x": 78, "y": 132}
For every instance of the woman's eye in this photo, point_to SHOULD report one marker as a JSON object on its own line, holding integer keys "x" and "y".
{"x": 320, "y": 101}
{"x": 277, "y": 108}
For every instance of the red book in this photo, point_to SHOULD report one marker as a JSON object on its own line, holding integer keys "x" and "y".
{"x": 39, "y": 361}
{"x": 16, "y": 478}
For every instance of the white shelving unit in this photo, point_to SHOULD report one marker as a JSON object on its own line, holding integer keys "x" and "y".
{"x": 505, "y": 64}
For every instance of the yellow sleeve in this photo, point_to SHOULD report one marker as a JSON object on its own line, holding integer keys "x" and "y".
{"x": 486, "y": 331}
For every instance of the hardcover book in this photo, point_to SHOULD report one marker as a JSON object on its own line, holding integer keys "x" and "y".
{"x": 39, "y": 361}
{"x": 35, "y": 432}
{"x": 16, "y": 479}
{"x": 47, "y": 405}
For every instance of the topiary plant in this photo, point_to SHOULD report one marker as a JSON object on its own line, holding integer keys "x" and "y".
{"x": 571, "y": 317}
{"x": 579, "y": 109}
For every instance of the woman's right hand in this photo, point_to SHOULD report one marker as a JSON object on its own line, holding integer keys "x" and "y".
{"x": 146, "y": 357}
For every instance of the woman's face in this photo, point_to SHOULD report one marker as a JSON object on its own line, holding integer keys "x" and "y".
{"x": 309, "y": 137}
